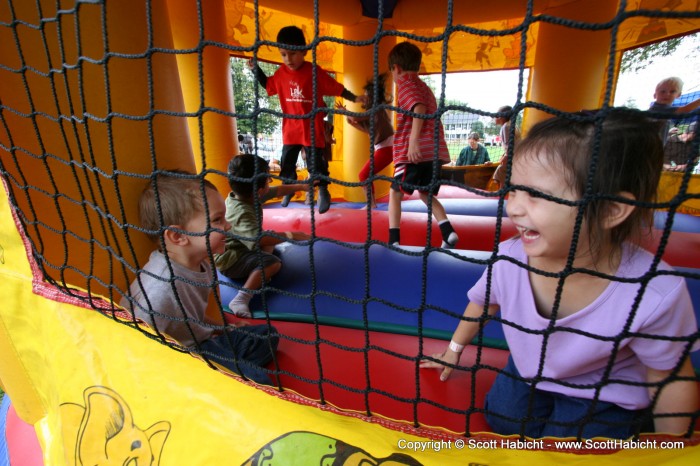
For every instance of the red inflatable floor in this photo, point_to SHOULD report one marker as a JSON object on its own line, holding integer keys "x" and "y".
{"x": 380, "y": 376}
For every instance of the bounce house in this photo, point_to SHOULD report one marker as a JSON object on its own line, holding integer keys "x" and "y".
{"x": 99, "y": 97}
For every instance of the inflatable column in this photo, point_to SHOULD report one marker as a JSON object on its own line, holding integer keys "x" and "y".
{"x": 571, "y": 64}
{"x": 81, "y": 97}
{"x": 358, "y": 63}
{"x": 205, "y": 73}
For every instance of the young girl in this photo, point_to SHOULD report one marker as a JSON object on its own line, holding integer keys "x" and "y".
{"x": 587, "y": 359}
{"x": 499, "y": 175}
{"x": 383, "y": 134}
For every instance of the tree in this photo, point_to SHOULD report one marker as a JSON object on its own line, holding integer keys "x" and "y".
{"x": 251, "y": 119}
{"x": 455, "y": 103}
{"x": 631, "y": 103}
{"x": 491, "y": 128}
{"x": 635, "y": 60}
{"x": 478, "y": 127}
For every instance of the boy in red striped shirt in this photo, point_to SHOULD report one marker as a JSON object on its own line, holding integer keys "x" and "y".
{"x": 417, "y": 160}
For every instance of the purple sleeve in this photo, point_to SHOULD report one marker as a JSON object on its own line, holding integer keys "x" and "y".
{"x": 477, "y": 294}
{"x": 673, "y": 317}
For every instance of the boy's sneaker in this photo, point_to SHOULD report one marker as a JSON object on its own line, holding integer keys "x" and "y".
{"x": 324, "y": 199}
{"x": 240, "y": 309}
{"x": 286, "y": 199}
{"x": 450, "y": 242}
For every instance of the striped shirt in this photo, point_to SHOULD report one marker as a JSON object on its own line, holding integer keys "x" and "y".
{"x": 411, "y": 92}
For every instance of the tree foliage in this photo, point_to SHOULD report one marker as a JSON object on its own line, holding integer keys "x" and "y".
{"x": 252, "y": 118}
{"x": 478, "y": 127}
{"x": 635, "y": 60}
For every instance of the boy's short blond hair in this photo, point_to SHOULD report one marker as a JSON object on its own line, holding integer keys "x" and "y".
{"x": 180, "y": 198}
{"x": 676, "y": 81}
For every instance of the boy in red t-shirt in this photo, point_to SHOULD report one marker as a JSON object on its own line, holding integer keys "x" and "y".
{"x": 294, "y": 83}
{"x": 415, "y": 153}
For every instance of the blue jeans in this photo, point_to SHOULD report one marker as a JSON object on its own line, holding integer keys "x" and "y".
{"x": 251, "y": 348}
{"x": 555, "y": 415}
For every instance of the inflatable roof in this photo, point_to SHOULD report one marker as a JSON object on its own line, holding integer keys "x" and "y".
{"x": 468, "y": 50}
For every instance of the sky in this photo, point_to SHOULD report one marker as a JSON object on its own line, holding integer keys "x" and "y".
{"x": 489, "y": 90}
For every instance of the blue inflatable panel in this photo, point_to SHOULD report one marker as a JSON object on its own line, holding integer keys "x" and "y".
{"x": 301, "y": 205}
{"x": 479, "y": 207}
{"x": 395, "y": 284}
{"x": 489, "y": 208}
{"x": 681, "y": 222}
{"x": 392, "y": 297}
{"x": 4, "y": 453}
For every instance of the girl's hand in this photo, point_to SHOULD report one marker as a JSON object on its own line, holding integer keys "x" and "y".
{"x": 300, "y": 236}
{"x": 339, "y": 105}
{"x": 362, "y": 100}
{"x": 440, "y": 361}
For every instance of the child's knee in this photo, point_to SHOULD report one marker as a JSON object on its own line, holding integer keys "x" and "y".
{"x": 273, "y": 269}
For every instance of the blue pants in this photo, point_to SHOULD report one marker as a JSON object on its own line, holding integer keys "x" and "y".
{"x": 555, "y": 415}
{"x": 251, "y": 348}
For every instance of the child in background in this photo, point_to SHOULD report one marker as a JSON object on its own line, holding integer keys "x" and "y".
{"x": 383, "y": 134}
{"x": 294, "y": 83}
{"x": 172, "y": 290}
{"x": 248, "y": 254}
{"x": 598, "y": 319}
{"x": 668, "y": 90}
{"x": 414, "y": 143}
{"x": 506, "y": 112}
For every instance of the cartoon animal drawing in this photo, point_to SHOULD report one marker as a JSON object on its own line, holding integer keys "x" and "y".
{"x": 325, "y": 51}
{"x": 235, "y": 10}
{"x": 103, "y": 433}
{"x": 308, "y": 448}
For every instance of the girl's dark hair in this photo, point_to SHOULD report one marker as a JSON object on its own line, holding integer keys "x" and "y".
{"x": 247, "y": 173}
{"x": 623, "y": 154}
{"x": 382, "y": 97}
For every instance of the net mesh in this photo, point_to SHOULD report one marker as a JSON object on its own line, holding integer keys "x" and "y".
{"x": 72, "y": 174}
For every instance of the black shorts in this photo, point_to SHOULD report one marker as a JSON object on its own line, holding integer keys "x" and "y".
{"x": 248, "y": 262}
{"x": 412, "y": 176}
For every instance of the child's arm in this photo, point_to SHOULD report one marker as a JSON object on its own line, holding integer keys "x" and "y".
{"x": 414, "y": 155}
{"x": 268, "y": 241}
{"x": 358, "y": 99}
{"x": 284, "y": 189}
{"x": 466, "y": 330}
{"x": 258, "y": 73}
{"x": 360, "y": 123}
{"x": 689, "y": 107}
{"x": 676, "y": 397}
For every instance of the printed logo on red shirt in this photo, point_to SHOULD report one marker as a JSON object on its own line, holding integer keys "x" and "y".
{"x": 295, "y": 93}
